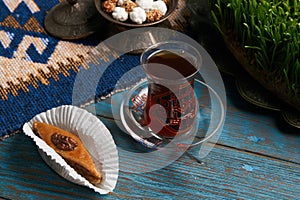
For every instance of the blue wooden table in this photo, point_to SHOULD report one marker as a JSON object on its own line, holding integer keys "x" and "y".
{"x": 256, "y": 157}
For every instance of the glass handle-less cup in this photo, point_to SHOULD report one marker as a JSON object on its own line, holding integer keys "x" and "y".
{"x": 171, "y": 105}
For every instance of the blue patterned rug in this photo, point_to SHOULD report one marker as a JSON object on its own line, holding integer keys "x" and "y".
{"x": 37, "y": 71}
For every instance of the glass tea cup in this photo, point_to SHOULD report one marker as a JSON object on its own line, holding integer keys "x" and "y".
{"x": 171, "y": 106}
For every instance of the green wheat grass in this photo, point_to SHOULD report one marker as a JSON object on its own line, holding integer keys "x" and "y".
{"x": 268, "y": 32}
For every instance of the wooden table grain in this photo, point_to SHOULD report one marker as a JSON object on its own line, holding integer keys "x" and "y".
{"x": 256, "y": 157}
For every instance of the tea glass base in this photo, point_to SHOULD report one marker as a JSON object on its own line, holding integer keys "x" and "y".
{"x": 209, "y": 118}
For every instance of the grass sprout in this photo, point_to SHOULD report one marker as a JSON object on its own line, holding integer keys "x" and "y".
{"x": 268, "y": 32}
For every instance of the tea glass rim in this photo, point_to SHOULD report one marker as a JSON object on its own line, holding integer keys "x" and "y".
{"x": 171, "y": 81}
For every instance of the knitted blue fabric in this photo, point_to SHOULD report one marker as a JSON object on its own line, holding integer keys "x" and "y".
{"x": 32, "y": 76}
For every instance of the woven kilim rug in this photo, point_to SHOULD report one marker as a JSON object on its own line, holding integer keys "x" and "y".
{"x": 37, "y": 71}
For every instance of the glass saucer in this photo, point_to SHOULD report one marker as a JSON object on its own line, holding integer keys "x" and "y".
{"x": 209, "y": 119}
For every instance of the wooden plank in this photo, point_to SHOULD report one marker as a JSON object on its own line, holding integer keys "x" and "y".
{"x": 246, "y": 127}
{"x": 225, "y": 173}
{"x": 258, "y": 130}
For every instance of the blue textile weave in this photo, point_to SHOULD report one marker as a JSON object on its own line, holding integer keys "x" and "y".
{"x": 37, "y": 71}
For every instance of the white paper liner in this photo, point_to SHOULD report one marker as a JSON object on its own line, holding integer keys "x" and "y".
{"x": 95, "y": 137}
